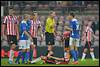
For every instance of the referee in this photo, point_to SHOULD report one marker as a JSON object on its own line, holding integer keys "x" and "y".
{"x": 49, "y": 30}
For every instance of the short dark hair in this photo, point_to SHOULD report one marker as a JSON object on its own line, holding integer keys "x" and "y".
{"x": 72, "y": 14}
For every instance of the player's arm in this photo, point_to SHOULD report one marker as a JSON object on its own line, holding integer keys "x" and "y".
{"x": 17, "y": 30}
{"x": 26, "y": 33}
{"x": 68, "y": 28}
{"x": 40, "y": 29}
{"x": 3, "y": 28}
{"x": 4, "y": 25}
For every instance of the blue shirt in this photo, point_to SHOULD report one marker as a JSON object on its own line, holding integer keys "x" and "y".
{"x": 24, "y": 26}
{"x": 75, "y": 28}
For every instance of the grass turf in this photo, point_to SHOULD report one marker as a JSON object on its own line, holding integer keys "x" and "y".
{"x": 88, "y": 62}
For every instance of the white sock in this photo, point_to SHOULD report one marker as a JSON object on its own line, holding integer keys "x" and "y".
{"x": 65, "y": 54}
{"x": 92, "y": 55}
{"x": 36, "y": 60}
{"x": 83, "y": 56}
{"x": 11, "y": 55}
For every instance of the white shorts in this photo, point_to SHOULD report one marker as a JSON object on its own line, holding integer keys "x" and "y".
{"x": 74, "y": 41}
{"x": 24, "y": 44}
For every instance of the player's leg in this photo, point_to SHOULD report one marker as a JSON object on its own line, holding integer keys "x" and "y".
{"x": 73, "y": 53}
{"x": 66, "y": 49}
{"x": 37, "y": 59}
{"x": 92, "y": 52}
{"x": 19, "y": 53}
{"x": 12, "y": 42}
{"x": 49, "y": 40}
{"x": 84, "y": 54}
{"x": 11, "y": 56}
{"x": 31, "y": 52}
{"x": 23, "y": 55}
{"x": 35, "y": 50}
{"x": 24, "y": 46}
{"x": 76, "y": 47}
{"x": 84, "y": 51}
{"x": 27, "y": 55}
{"x": 27, "y": 50}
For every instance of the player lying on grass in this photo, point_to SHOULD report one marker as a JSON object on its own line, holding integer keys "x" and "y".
{"x": 50, "y": 59}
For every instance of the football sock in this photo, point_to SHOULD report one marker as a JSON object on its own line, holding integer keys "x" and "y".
{"x": 34, "y": 53}
{"x": 65, "y": 53}
{"x": 83, "y": 56}
{"x": 19, "y": 56}
{"x": 77, "y": 54}
{"x": 74, "y": 55}
{"x": 31, "y": 54}
{"x": 27, "y": 56}
{"x": 92, "y": 55}
{"x": 23, "y": 59}
{"x": 11, "y": 55}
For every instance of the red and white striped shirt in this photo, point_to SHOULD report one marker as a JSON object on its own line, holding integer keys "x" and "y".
{"x": 10, "y": 22}
{"x": 34, "y": 28}
{"x": 88, "y": 34}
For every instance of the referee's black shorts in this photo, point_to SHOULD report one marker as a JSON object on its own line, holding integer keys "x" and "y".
{"x": 49, "y": 37}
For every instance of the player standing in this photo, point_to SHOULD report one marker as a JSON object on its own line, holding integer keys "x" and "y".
{"x": 35, "y": 25}
{"x": 74, "y": 37}
{"x": 23, "y": 40}
{"x": 50, "y": 30}
{"x": 10, "y": 23}
{"x": 87, "y": 38}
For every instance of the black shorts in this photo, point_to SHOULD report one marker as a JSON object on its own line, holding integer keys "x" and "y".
{"x": 12, "y": 39}
{"x": 88, "y": 44}
{"x": 35, "y": 41}
{"x": 49, "y": 37}
{"x": 67, "y": 43}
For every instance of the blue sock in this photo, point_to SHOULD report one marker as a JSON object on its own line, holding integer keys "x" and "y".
{"x": 19, "y": 56}
{"x": 23, "y": 59}
{"x": 27, "y": 56}
{"x": 31, "y": 54}
{"x": 73, "y": 53}
{"x": 77, "y": 54}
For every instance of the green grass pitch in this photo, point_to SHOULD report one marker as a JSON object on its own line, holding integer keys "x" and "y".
{"x": 88, "y": 62}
